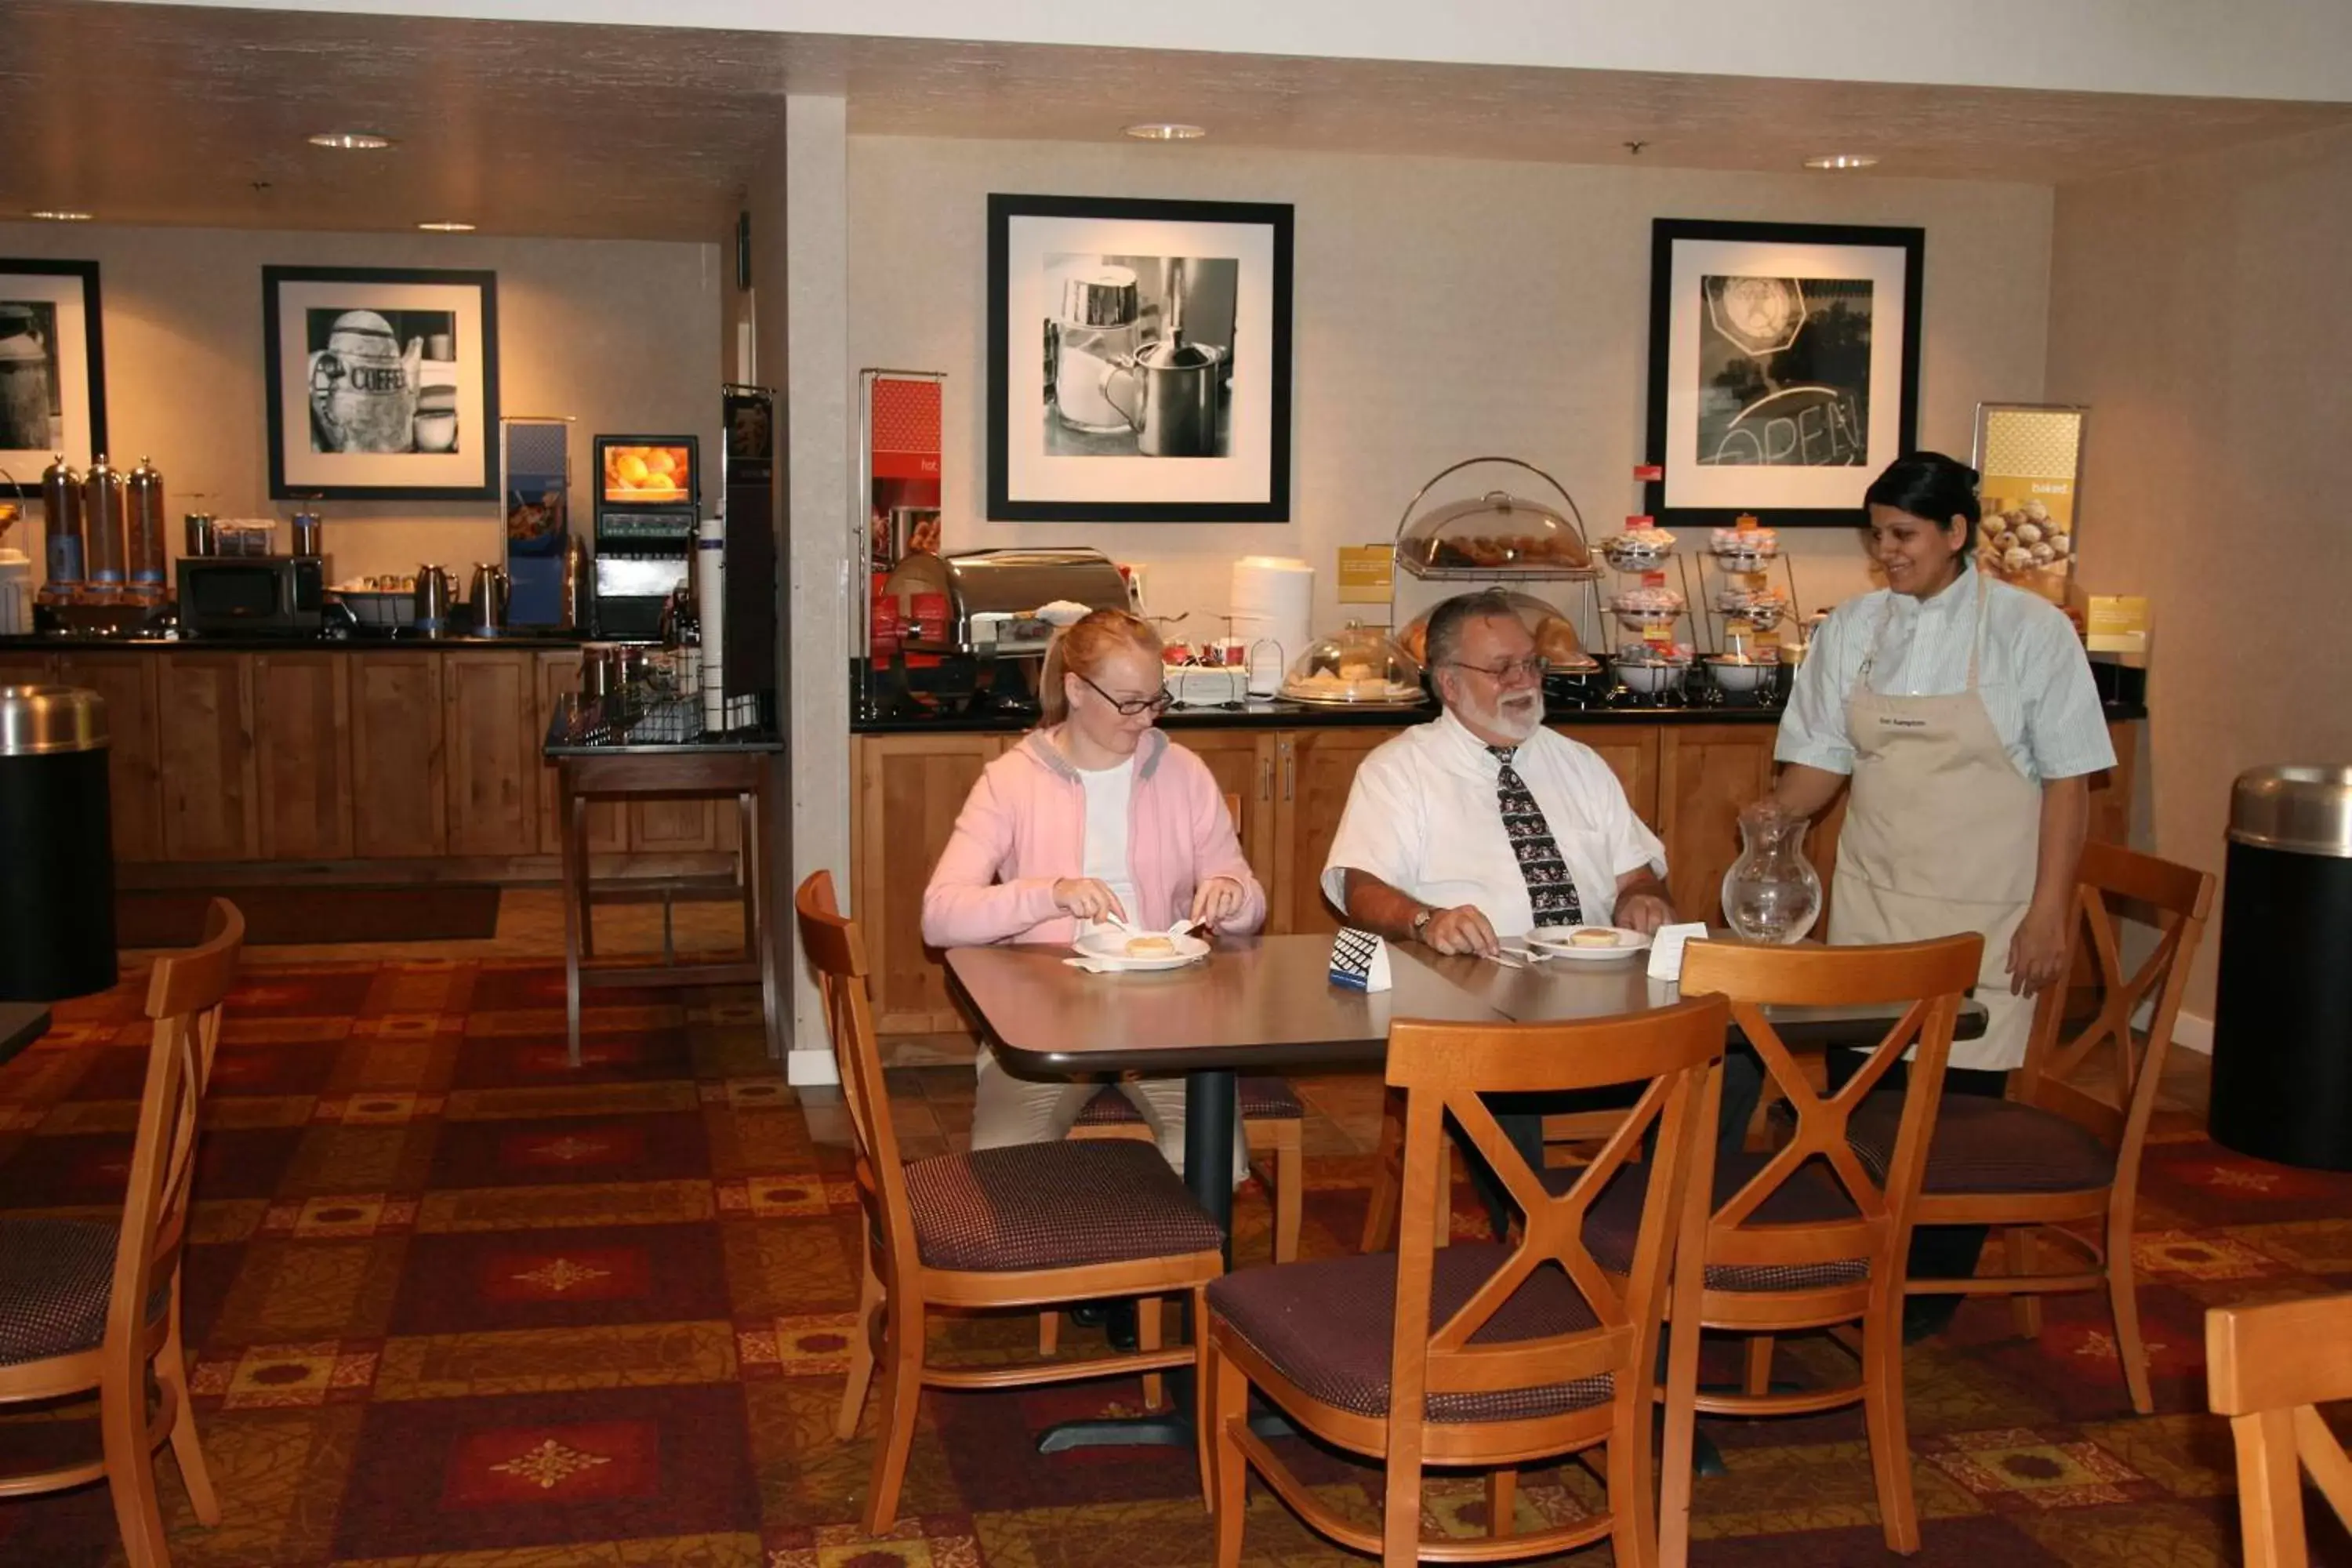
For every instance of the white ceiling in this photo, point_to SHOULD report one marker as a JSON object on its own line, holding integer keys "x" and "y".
{"x": 183, "y": 115}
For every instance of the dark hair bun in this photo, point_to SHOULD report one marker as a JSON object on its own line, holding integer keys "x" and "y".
{"x": 1927, "y": 485}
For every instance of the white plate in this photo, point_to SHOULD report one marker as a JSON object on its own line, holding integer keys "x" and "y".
{"x": 1109, "y": 947}
{"x": 1553, "y": 939}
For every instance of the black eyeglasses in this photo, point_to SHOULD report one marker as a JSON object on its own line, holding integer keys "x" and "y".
{"x": 1528, "y": 668}
{"x": 1129, "y": 707}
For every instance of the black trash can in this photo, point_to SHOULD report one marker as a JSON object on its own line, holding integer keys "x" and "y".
{"x": 2283, "y": 1019}
{"x": 57, "y": 845}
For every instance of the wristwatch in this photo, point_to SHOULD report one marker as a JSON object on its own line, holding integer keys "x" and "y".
{"x": 1420, "y": 922}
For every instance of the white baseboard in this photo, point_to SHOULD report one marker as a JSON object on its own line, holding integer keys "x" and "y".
{"x": 810, "y": 1067}
{"x": 2192, "y": 1033}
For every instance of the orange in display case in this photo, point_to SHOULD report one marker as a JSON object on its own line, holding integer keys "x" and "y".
{"x": 649, "y": 474}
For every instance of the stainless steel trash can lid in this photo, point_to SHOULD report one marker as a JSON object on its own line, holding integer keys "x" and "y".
{"x": 2304, "y": 808}
{"x": 35, "y": 720}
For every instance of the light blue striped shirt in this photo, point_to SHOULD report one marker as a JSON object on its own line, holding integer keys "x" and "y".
{"x": 2033, "y": 677}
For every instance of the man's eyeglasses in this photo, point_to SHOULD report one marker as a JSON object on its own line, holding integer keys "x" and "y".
{"x": 1528, "y": 668}
{"x": 1129, "y": 707}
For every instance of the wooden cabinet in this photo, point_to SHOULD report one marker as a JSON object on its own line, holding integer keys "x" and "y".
{"x": 126, "y": 681}
{"x": 559, "y": 677}
{"x": 1706, "y": 773}
{"x": 1631, "y": 754}
{"x": 1244, "y": 764}
{"x": 1315, "y": 769}
{"x": 203, "y": 729}
{"x": 909, "y": 791}
{"x": 489, "y": 701}
{"x": 399, "y": 803}
{"x": 21, "y": 667}
{"x": 302, "y": 754}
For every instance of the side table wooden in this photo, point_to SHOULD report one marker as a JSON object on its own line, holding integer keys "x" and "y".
{"x": 742, "y": 768}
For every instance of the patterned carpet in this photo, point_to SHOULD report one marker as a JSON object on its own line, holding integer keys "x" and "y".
{"x": 456, "y": 1304}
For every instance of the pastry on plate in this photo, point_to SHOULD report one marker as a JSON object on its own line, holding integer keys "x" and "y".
{"x": 1151, "y": 947}
{"x": 1593, "y": 936}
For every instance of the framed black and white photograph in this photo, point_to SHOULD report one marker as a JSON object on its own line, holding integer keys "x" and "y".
{"x": 1784, "y": 367}
{"x": 1138, "y": 360}
{"x": 383, "y": 382}
{"x": 52, "y": 369}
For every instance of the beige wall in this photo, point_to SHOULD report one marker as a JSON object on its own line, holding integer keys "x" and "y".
{"x": 2200, "y": 309}
{"x": 1443, "y": 308}
{"x": 618, "y": 334}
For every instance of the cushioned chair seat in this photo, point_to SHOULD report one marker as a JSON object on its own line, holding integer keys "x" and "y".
{"x": 1810, "y": 1197}
{"x": 1327, "y": 1327}
{"x": 1987, "y": 1145}
{"x": 1052, "y": 1205}
{"x": 55, "y": 1277}
{"x": 1262, "y": 1099}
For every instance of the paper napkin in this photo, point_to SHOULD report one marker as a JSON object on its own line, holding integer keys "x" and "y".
{"x": 1666, "y": 949}
{"x": 1360, "y": 961}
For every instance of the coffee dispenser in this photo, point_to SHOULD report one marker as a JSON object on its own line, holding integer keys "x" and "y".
{"x": 647, "y": 497}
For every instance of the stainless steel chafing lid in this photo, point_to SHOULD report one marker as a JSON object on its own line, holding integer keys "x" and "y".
{"x": 1008, "y": 582}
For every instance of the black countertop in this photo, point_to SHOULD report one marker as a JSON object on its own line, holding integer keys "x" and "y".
{"x": 527, "y": 641}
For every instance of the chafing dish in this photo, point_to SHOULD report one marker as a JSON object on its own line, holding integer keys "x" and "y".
{"x": 993, "y": 598}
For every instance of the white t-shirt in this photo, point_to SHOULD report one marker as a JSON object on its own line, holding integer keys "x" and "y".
{"x": 1424, "y": 817}
{"x": 1110, "y": 791}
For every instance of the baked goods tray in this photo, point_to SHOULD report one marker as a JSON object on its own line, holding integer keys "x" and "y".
{"x": 1396, "y": 704}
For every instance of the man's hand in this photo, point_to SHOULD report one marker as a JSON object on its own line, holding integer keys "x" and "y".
{"x": 1462, "y": 929}
{"x": 2037, "y": 951}
{"x": 1217, "y": 900}
{"x": 1643, "y": 912}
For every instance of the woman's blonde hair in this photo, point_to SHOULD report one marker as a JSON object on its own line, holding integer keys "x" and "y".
{"x": 1082, "y": 648}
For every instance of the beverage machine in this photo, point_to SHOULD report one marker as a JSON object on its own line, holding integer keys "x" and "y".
{"x": 648, "y": 489}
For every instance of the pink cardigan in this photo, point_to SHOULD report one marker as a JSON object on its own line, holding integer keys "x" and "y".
{"x": 1024, "y": 826}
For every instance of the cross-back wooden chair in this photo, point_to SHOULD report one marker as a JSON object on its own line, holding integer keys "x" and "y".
{"x": 2268, "y": 1368}
{"x": 86, "y": 1305}
{"x": 2064, "y": 1150}
{"x": 1487, "y": 1355}
{"x": 1037, "y": 1225}
{"x": 1807, "y": 1235}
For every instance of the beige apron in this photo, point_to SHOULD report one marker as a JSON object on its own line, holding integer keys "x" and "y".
{"x": 1942, "y": 834}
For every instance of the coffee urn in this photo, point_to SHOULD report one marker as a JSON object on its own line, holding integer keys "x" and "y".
{"x": 104, "y": 524}
{"x": 143, "y": 502}
{"x": 61, "y": 521}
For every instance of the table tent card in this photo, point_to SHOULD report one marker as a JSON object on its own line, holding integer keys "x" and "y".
{"x": 1360, "y": 961}
{"x": 1666, "y": 949}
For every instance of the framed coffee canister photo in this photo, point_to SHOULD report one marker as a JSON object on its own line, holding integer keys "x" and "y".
{"x": 383, "y": 382}
{"x": 1784, "y": 368}
{"x": 52, "y": 369}
{"x": 1138, "y": 360}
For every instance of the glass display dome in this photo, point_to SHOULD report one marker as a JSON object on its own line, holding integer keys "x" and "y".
{"x": 1355, "y": 665}
{"x": 1494, "y": 535}
{"x": 1554, "y": 634}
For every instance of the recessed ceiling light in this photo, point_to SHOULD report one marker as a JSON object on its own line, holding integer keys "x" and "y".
{"x": 60, "y": 215}
{"x": 1841, "y": 161}
{"x": 1166, "y": 130}
{"x": 350, "y": 141}
{"x": 447, "y": 226}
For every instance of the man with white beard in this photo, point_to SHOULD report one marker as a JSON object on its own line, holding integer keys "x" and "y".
{"x": 1479, "y": 827}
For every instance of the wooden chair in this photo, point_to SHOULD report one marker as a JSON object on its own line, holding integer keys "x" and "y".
{"x": 2268, "y": 1368}
{"x": 1037, "y": 1225}
{"x": 1806, "y": 1236}
{"x": 1577, "y": 1133}
{"x": 1272, "y": 1119}
{"x": 1480, "y": 1355}
{"x": 87, "y": 1306}
{"x": 2064, "y": 1150}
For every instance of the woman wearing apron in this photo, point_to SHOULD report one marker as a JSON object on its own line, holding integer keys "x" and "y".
{"x": 1963, "y": 712}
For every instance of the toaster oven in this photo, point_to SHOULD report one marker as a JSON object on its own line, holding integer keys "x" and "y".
{"x": 251, "y": 595}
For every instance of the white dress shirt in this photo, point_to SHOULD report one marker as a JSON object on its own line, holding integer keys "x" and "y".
{"x": 2032, "y": 676}
{"x": 1423, "y": 816}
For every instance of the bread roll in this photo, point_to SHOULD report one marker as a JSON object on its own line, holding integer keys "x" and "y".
{"x": 1416, "y": 641}
{"x": 1556, "y": 640}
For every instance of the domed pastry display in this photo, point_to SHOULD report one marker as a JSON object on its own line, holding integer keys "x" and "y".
{"x": 1555, "y": 635}
{"x": 1639, "y": 549}
{"x": 1355, "y": 665}
{"x": 1494, "y": 535}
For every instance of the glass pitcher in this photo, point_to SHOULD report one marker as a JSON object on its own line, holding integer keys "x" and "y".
{"x": 1772, "y": 893}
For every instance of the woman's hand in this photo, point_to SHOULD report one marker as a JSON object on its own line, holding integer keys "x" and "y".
{"x": 1217, "y": 900}
{"x": 1086, "y": 899}
{"x": 2037, "y": 951}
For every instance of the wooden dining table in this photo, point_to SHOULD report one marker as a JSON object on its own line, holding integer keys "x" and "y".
{"x": 21, "y": 1022}
{"x": 1266, "y": 1004}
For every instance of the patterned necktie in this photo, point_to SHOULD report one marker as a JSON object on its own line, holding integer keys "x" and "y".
{"x": 1551, "y": 892}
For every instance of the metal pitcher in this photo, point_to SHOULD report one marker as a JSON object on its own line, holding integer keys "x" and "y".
{"x": 486, "y": 594}
{"x": 1168, "y": 394}
{"x": 434, "y": 592}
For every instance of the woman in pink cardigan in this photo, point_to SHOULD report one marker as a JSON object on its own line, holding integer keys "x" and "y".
{"x": 1094, "y": 812}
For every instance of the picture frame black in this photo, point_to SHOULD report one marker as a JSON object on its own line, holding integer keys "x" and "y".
{"x": 1226, "y": 265}
{"x": 1750, "y": 303}
{"x": 54, "y": 305}
{"x": 353, "y": 409}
